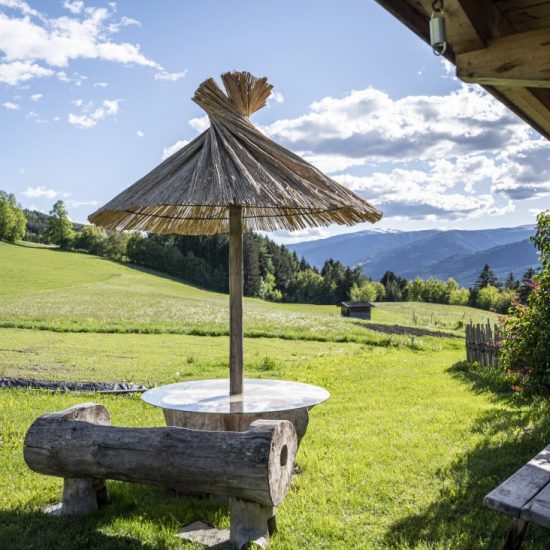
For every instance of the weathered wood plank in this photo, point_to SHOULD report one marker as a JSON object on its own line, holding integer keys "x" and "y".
{"x": 512, "y": 496}
{"x": 487, "y": 19}
{"x": 537, "y": 509}
{"x": 521, "y": 59}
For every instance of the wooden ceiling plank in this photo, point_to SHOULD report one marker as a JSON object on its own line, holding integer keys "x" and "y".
{"x": 487, "y": 19}
{"x": 511, "y": 5}
{"x": 521, "y": 59}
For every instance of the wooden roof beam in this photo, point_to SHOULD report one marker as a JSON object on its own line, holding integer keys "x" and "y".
{"x": 521, "y": 59}
{"x": 486, "y": 19}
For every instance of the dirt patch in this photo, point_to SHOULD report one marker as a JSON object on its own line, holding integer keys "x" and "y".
{"x": 412, "y": 331}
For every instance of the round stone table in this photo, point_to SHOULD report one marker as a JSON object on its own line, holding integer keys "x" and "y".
{"x": 207, "y": 405}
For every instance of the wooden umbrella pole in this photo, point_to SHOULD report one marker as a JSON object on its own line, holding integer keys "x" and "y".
{"x": 235, "y": 300}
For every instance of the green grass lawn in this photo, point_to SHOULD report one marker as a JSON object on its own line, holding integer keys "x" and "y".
{"x": 400, "y": 456}
{"x": 150, "y": 358}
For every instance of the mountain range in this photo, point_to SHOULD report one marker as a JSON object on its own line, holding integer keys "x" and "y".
{"x": 428, "y": 253}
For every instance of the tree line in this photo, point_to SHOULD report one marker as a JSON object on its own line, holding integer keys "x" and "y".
{"x": 271, "y": 271}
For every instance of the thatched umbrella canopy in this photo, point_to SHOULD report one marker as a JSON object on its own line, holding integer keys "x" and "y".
{"x": 232, "y": 178}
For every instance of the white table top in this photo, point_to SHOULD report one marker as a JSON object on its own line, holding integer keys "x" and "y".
{"x": 212, "y": 396}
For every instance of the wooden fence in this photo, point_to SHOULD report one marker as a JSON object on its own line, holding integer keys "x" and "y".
{"x": 482, "y": 344}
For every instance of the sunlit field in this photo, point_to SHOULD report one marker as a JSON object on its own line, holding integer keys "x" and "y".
{"x": 399, "y": 457}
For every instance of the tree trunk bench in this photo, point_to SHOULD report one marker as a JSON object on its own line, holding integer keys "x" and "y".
{"x": 525, "y": 496}
{"x": 253, "y": 468}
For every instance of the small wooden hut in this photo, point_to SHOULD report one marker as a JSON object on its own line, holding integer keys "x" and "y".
{"x": 356, "y": 309}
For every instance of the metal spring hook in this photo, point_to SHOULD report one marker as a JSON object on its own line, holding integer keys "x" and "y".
{"x": 438, "y": 38}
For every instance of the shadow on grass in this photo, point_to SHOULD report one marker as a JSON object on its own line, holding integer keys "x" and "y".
{"x": 483, "y": 380}
{"x": 139, "y": 517}
{"x": 511, "y": 436}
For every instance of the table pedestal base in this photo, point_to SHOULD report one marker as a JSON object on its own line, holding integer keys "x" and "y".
{"x": 238, "y": 422}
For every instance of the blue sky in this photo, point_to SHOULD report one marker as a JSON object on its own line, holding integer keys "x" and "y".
{"x": 93, "y": 94}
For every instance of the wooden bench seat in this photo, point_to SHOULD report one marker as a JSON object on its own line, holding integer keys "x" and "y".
{"x": 253, "y": 468}
{"x": 525, "y": 496}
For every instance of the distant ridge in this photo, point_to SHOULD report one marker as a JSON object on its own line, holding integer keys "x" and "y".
{"x": 428, "y": 253}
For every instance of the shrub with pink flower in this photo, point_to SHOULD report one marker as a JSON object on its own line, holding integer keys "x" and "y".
{"x": 525, "y": 333}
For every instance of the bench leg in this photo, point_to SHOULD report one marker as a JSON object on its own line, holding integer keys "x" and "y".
{"x": 83, "y": 495}
{"x": 250, "y": 522}
{"x": 516, "y": 534}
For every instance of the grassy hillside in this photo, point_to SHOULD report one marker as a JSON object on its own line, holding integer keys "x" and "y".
{"x": 62, "y": 291}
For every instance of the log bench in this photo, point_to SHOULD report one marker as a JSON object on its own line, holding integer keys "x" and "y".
{"x": 253, "y": 468}
{"x": 525, "y": 496}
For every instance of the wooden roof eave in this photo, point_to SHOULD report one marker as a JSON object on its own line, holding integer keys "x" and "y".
{"x": 471, "y": 26}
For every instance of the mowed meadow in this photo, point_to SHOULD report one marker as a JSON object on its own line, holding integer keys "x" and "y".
{"x": 399, "y": 457}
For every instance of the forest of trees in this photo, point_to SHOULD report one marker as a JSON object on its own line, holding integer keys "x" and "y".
{"x": 272, "y": 272}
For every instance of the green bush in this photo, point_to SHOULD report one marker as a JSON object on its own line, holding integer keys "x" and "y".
{"x": 525, "y": 333}
{"x": 488, "y": 297}
{"x": 459, "y": 297}
{"x": 369, "y": 291}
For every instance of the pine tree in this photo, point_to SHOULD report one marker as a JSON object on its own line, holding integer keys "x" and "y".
{"x": 395, "y": 286}
{"x": 526, "y": 285}
{"x": 486, "y": 277}
{"x": 511, "y": 282}
{"x": 251, "y": 261}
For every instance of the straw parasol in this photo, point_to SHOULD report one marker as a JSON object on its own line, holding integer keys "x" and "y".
{"x": 232, "y": 178}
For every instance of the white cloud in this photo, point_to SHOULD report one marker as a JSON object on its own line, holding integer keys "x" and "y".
{"x": 79, "y": 203}
{"x": 200, "y": 124}
{"x": 446, "y": 157}
{"x": 33, "y": 44}
{"x": 74, "y": 7}
{"x": 11, "y": 106}
{"x": 35, "y": 208}
{"x": 101, "y": 84}
{"x": 23, "y": 7}
{"x": 139, "y": 133}
{"x": 36, "y": 97}
{"x": 129, "y": 21}
{"x": 171, "y": 149}
{"x": 20, "y": 71}
{"x": 172, "y": 77}
{"x": 371, "y": 126}
{"x": 424, "y": 195}
{"x": 332, "y": 163}
{"x": 89, "y": 118}
{"x": 38, "y": 192}
{"x": 276, "y": 97}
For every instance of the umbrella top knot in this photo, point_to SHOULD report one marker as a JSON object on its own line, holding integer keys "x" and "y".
{"x": 244, "y": 94}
